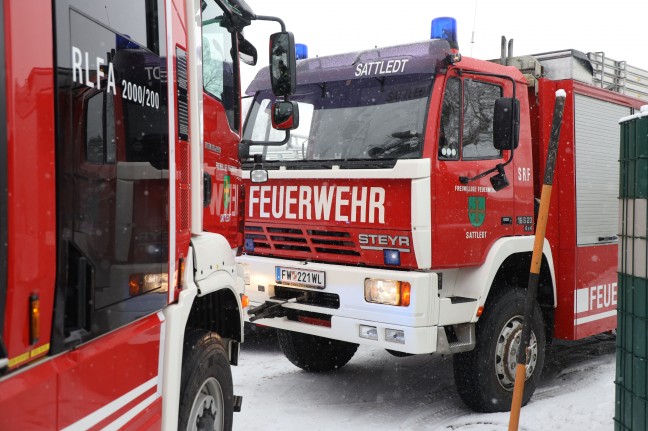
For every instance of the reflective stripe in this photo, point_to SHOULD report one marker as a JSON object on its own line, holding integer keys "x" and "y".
{"x": 594, "y": 317}
{"x": 125, "y": 418}
{"x": 109, "y": 409}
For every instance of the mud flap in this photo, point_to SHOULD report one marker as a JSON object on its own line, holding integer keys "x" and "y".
{"x": 238, "y": 402}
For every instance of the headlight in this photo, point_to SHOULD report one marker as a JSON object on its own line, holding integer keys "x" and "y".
{"x": 390, "y": 292}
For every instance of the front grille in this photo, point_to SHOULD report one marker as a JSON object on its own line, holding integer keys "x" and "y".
{"x": 296, "y": 242}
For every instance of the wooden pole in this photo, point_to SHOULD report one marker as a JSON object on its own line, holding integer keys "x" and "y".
{"x": 536, "y": 260}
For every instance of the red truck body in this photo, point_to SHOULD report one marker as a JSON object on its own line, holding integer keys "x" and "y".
{"x": 120, "y": 213}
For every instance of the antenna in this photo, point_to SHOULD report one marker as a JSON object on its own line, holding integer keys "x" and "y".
{"x": 107, "y": 15}
{"x": 472, "y": 39}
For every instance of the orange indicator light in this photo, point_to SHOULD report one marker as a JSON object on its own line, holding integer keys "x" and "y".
{"x": 34, "y": 318}
{"x": 405, "y": 294}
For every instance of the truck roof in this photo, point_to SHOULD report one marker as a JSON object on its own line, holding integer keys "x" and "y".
{"x": 418, "y": 57}
{"x": 592, "y": 68}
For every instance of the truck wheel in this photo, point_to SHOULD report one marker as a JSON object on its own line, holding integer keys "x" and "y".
{"x": 312, "y": 353}
{"x": 206, "y": 391}
{"x": 485, "y": 376}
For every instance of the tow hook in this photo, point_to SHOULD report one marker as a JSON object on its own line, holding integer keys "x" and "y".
{"x": 270, "y": 309}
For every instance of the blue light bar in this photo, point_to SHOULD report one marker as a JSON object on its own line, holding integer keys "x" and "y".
{"x": 301, "y": 51}
{"x": 125, "y": 42}
{"x": 391, "y": 257}
{"x": 445, "y": 28}
{"x": 249, "y": 245}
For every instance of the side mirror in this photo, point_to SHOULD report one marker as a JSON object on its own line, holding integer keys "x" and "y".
{"x": 283, "y": 63}
{"x": 247, "y": 51}
{"x": 285, "y": 115}
{"x": 506, "y": 123}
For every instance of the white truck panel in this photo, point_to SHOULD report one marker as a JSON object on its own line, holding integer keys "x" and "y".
{"x": 597, "y": 168}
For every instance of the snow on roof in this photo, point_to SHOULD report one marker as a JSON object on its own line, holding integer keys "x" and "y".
{"x": 643, "y": 112}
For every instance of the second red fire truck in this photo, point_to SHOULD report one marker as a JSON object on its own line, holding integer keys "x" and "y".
{"x": 401, "y": 212}
{"x": 121, "y": 212}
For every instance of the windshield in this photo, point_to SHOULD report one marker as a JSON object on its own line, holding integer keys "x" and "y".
{"x": 360, "y": 119}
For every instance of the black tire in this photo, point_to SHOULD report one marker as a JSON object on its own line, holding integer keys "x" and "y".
{"x": 312, "y": 353}
{"x": 206, "y": 390}
{"x": 485, "y": 376}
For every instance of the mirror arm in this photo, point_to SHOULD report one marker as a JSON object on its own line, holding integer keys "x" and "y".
{"x": 498, "y": 167}
{"x": 266, "y": 143}
{"x": 272, "y": 18}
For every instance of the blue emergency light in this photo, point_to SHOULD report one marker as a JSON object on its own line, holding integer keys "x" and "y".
{"x": 125, "y": 42}
{"x": 391, "y": 257}
{"x": 301, "y": 51}
{"x": 445, "y": 28}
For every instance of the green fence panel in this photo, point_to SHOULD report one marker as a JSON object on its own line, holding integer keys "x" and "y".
{"x": 631, "y": 382}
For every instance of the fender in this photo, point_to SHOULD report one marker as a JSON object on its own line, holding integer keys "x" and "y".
{"x": 210, "y": 276}
{"x": 477, "y": 282}
{"x": 176, "y": 316}
{"x": 212, "y": 254}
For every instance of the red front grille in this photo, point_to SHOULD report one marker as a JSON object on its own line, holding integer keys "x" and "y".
{"x": 300, "y": 243}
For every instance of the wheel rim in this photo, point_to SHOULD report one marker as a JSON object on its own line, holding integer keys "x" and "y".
{"x": 506, "y": 349}
{"x": 207, "y": 408}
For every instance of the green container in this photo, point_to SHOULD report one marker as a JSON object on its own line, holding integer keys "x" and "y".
{"x": 633, "y": 160}
{"x": 631, "y": 382}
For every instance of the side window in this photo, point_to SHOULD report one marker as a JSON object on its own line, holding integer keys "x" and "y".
{"x": 467, "y": 118}
{"x": 450, "y": 121}
{"x": 138, "y": 21}
{"x": 479, "y": 103}
{"x": 218, "y": 62}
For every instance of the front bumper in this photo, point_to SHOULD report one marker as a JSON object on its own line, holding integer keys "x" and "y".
{"x": 349, "y": 310}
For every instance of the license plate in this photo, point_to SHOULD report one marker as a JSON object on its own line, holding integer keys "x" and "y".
{"x": 300, "y": 277}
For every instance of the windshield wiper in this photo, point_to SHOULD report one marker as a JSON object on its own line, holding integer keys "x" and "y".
{"x": 402, "y": 143}
{"x": 406, "y": 134}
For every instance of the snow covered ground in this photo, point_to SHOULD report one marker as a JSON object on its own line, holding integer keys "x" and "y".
{"x": 376, "y": 391}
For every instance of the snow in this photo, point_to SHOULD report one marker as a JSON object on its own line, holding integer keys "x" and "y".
{"x": 561, "y": 93}
{"x": 643, "y": 112}
{"x": 376, "y": 391}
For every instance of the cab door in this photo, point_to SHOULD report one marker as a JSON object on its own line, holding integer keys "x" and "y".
{"x": 112, "y": 191}
{"x": 221, "y": 125}
{"x": 468, "y": 217}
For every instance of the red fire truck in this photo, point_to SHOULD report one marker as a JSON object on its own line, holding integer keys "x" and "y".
{"x": 121, "y": 212}
{"x": 401, "y": 212}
